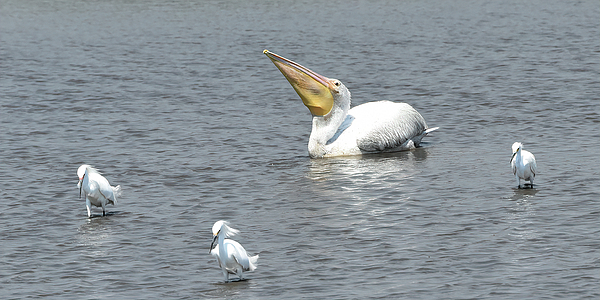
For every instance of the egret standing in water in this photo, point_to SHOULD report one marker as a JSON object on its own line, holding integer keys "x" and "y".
{"x": 231, "y": 256}
{"x": 337, "y": 130}
{"x": 98, "y": 191}
{"x": 523, "y": 164}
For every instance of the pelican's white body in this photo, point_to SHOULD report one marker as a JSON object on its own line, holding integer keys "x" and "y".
{"x": 231, "y": 256}
{"x": 97, "y": 189}
{"x": 523, "y": 164}
{"x": 381, "y": 126}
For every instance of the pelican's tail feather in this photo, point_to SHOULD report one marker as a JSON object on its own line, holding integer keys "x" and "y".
{"x": 428, "y": 130}
{"x": 253, "y": 262}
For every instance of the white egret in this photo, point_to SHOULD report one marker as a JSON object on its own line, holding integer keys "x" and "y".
{"x": 523, "y": 164}
{"x": 338, "y": 130}
{"x": 98, "y": 191}
{"x": 231, "y": 256}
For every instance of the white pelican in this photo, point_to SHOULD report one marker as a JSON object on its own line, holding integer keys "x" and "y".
{"x": 231, "y": 256}
{"x": 523, "y": 164}
{"x": 337, "y": 130}
{"x": 97, "y": 189}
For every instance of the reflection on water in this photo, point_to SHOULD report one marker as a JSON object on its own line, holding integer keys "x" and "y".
{"x": 367, "y": 167}
{"x": 94, "y": 233}
{"x": 231, "y": 289}
{"x": 373, "y": 185}
{"x": 198, "y": 135}
{"x": 522, "y": 214}
{"x": 523, "y": 194}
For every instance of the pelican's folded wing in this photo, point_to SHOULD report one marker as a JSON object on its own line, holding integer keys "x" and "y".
{"x": 387, "y": 125}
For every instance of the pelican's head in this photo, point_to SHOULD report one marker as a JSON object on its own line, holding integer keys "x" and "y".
{"x": 317, "y": 92}
{"x": 221, "y": 228}
{"x": 516, "y": 147}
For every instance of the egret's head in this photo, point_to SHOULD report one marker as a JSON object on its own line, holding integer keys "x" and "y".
{"x": 317, "y": 92}
{"x": 516, "y": 147}
{"x": 216, "y": 229}
{"x": 81, "y": 171}
{"x": 88, "y": 168}
{"x": 221, "y": 228}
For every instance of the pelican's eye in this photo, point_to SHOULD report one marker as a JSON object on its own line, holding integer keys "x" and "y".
{"x": 337, "y": 83}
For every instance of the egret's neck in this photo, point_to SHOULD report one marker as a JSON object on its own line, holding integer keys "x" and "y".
{"x": 86, "y": 178}
{"x": 325, "y": 127}
{"x": 221, "y": 239}
{"x": 519, "y": 157}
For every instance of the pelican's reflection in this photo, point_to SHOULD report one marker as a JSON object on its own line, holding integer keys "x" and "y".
{"x": 371, "y": 167}
{"x": 358, "y": 180}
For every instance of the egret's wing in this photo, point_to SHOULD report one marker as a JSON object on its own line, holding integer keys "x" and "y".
{"x": 238, "y": 253}
{"x": 92, "y": 187}
{"x": 104, "y": 187}
{"x": 533, "y": 165}
{"x": 529, "y": 159}
{"x": 386, "y": 125}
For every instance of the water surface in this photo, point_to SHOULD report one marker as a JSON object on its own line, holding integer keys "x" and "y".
{"x": 175, "y": 102}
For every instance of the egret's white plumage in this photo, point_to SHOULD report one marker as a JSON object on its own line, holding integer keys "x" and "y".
{"x": 523, "y": 164}
{"x": 231, "y": 256}
{"x": 337, "y": 129}
{"x": 97, "y": 189}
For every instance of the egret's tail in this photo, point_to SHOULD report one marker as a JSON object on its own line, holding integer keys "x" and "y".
{"x": 116, "y": 192}
{"x": 253, "y": 261}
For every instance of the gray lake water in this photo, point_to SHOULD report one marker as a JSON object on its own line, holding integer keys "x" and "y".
{"x": 175, "y": 102}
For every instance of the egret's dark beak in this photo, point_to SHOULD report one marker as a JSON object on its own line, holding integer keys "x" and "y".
{"x": 513, "y": 156}
{"x": 81, "y": 185}
{"x": 212, "y": 245}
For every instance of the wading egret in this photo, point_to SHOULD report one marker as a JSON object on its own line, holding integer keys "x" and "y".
{"x": 523, "y": 164}
{"x": 98, "y": 191}
{"x": 231, "y": 256}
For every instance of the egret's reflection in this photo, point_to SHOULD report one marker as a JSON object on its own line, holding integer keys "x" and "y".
{"x": 522, "y": 213}
{"x": 94, "y": 233}
{"x": 521, "y": 194}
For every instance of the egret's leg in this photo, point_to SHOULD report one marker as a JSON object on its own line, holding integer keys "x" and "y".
{"x": 103, "y": 210}
{"x": 518, "y": 181}
{"x": 240, "y": 273}
{"x": 531, "y": 181}
{"x": 87, "y": 205}
{"x": 225, "y": 275}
